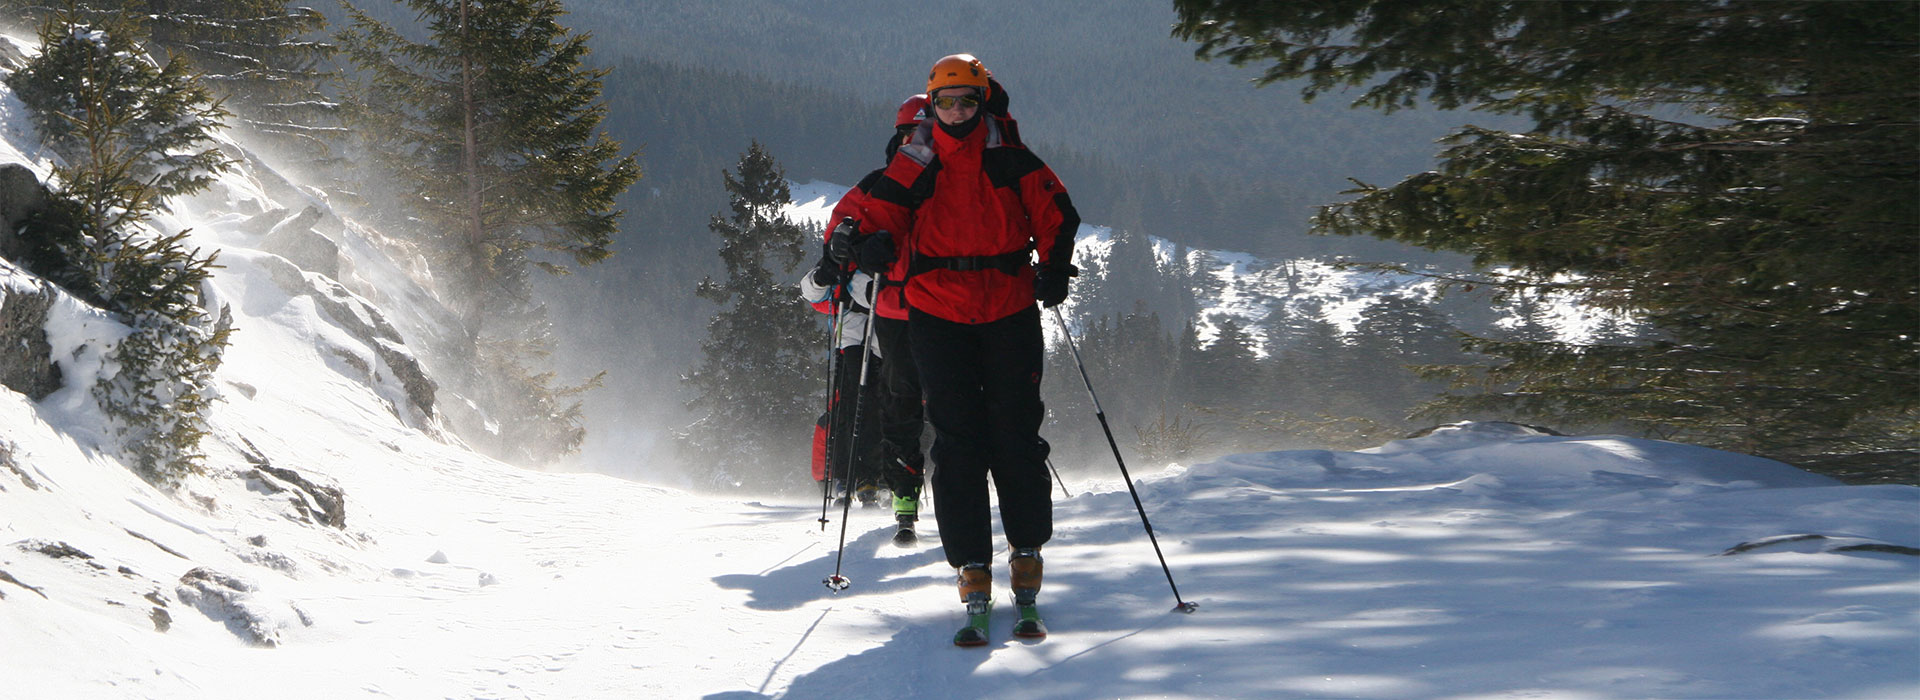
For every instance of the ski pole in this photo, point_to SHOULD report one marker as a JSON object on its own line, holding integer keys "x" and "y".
{"x": 1057, "y": 479}
{"x": 836, "y": 582}
{"x": 833, "y": 375}
{"x": 1179, "y": 605}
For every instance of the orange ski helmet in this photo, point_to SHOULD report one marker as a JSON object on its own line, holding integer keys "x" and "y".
{"x": 959, "y": 70}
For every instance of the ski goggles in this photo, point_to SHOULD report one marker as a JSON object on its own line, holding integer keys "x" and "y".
{"x": 956, "y": 101}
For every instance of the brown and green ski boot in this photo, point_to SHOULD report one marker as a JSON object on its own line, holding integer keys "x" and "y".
{"x": 1026, "y": 566}
{"x": 976, "y": 591}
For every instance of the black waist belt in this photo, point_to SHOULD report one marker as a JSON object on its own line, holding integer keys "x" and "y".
{"x": 1010, "y": 263}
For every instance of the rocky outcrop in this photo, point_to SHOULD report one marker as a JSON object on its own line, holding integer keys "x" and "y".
{"x": 4, "y": 576}
{"x": 26, "y": 358}
{"x": 21, "y": 197}
{"x": 259, "y": 224}
{"x": 317, "y": 503}
{"x": 8, "y": 463}
{"x": 12, "y": 58}
{"x": 365, "y": 323}
{"x": 292, "y": 236}
{"x": 407, "y": 370}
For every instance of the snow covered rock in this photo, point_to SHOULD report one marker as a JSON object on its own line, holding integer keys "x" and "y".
{"x": 9, "y": 465}
{"x": 230, "y": 599}
{"x": 363, "y": 322}
{"x": 293, "y": 238}
{"x": 314, "y": 503}
{"x": 8, "y": 578}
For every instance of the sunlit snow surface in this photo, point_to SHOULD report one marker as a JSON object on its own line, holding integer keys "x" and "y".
{"x": 1482, "y": 561}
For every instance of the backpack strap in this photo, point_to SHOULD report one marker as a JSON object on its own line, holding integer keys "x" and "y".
{"x": 1011, "y": 262}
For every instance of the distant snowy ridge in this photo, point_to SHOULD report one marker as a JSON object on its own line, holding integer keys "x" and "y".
{"x": 1249, "y": 288}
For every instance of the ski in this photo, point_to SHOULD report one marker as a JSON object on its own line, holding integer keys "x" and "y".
{"x": 975, "y": 633}
{"x": 1029, "y": 626}
{"x": 905, "y": 517}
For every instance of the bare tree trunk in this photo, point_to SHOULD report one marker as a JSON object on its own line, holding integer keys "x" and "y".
{"x": 476, "y": 233}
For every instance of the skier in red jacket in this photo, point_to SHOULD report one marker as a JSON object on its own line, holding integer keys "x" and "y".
{"x": 899, "y": 416}
{"x": 970, "y": 210}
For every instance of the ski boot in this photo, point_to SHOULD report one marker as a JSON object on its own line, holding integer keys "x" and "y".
{"x": 1026, "y": 566}
{"x": 906, "y": 511}
{"x": 869, "y": 495}
{"x": 976, "y": 591}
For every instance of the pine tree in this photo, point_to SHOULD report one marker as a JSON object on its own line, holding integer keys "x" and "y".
{"x": 119, "y": 119}
{"x": 1395, "y": 336}
{"x": 1180, "y": 296}
{"x": 491, "y": 124}
{"x": 548, "y": 420}
{"x": 1410, "y": 330}
{"x": 1228, "y": 370}
{"x": 1314, "y": 371}
{"x": 260, "y": 57}
{"x": 1739, "y": 176}
{"x": 130, "y": 133}
{"x": 757, "y": 385}
{"x": 1186, "y": 365}
{"x": 1529, "y": 322}
{"x": 1136, "y": 367}
{"x": 1128, "y": 276}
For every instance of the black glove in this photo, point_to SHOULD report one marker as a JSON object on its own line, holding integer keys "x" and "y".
{"x": 828, "y": 273}
{"x": 1050, "y": 285}
{"x": 840, "y": 242}
{"x": 875, "y": 253}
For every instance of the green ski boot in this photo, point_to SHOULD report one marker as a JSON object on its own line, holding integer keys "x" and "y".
{"x": 906, "y": 511}
{"x": 976, "y": 590}
{"x": 1026, "y": 567}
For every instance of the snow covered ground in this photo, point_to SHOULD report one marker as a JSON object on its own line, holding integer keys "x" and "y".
{"x": 1482, "y": 561}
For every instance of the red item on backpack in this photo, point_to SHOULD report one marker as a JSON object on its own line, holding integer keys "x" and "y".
{"x": 820, "y": 447}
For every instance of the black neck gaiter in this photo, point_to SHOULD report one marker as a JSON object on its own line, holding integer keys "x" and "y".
{"x": 961, "y": 130}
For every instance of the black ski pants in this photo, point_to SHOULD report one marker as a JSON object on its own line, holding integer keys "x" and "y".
{"x": 866, "y": 463}
{"x": 901, "y": 414}
{"x": 982, "y": 385}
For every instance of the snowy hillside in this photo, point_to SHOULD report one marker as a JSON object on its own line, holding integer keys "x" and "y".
{"x": 343, "y": 545}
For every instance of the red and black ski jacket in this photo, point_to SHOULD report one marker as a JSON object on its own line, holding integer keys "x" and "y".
{"x": 857, "y": 204}
{"x": 967, "y": 213}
